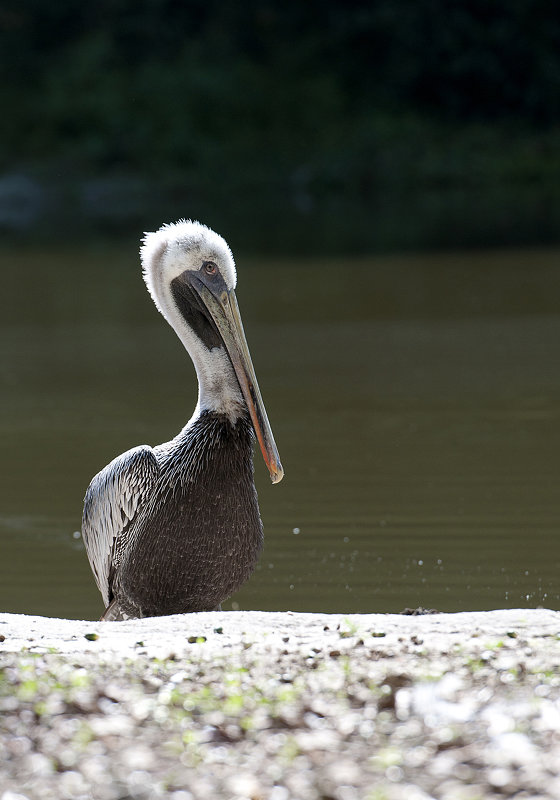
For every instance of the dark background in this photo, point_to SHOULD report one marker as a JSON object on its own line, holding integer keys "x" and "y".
{"x": 307, "y": 127}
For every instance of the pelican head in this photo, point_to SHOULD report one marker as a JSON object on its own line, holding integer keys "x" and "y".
{"x": 190, "y": 273}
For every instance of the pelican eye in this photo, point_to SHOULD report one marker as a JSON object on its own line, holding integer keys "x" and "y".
{"x": 210, "y": 268}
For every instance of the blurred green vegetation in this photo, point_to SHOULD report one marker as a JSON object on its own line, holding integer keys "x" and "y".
{"x": 311, "y": 125}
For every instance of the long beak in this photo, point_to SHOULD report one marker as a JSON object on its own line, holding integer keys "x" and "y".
{"x": 225, "y": 313}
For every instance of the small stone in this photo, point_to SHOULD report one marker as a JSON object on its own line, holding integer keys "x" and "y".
{"x": 13, "y": 796}
{"x": 138, "y": 757}
{"x": 72, "y": 784}
{"x": 499, "y": 777}
{"x": 37, "y": 764}
{"x": 278, "y": 793}
{"x": 19, "y": 746}
{"x": 394, "y": 774}
{"x": 116, "y": 725}
{"x": 244, "y": 785}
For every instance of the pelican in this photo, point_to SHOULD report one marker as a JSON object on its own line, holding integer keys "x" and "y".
{"x": 176, "y": 528}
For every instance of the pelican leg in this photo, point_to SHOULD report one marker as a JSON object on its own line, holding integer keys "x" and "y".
{"x": 113, "y": 613}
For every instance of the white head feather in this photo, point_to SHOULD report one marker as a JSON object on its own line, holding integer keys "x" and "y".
{"x": 178, "y": 246}
{"x": 165, "y": 254}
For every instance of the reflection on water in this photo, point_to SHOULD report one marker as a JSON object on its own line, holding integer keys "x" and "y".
{"x": 415, "y": 402}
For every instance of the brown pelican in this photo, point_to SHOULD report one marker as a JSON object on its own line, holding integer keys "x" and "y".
{"x": 176, "y": 528}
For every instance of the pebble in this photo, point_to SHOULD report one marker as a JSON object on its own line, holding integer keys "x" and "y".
{"x": 13, "y": 796}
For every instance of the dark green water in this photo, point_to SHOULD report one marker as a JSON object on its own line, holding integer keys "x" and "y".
{"x": 415, "y": 402}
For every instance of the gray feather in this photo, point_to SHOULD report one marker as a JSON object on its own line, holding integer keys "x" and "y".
{"x": 113, "y": 500}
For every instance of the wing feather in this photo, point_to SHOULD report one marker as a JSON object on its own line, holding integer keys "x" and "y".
{"x": 112, "y": 502}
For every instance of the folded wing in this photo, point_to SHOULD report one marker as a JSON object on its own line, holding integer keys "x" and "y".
{"x": 113, "y": 501}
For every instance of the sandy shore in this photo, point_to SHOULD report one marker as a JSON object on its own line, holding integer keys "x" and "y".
{"x": 278, "y": 705}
